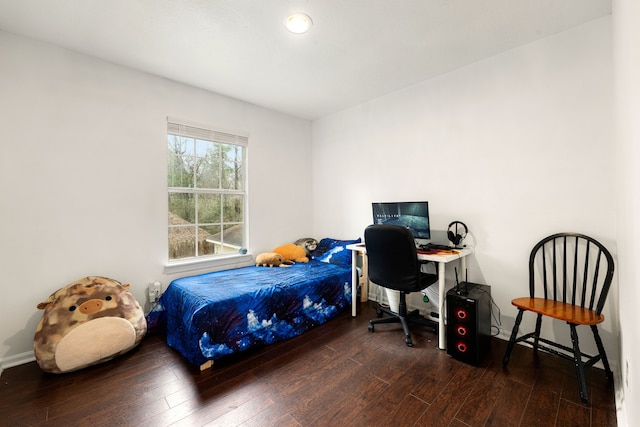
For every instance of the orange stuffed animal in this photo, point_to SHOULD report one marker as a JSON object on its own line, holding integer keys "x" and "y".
{"x": 292, "y": 252}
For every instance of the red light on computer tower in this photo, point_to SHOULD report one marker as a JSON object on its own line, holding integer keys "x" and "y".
{"x": 461, "y": 347}
{"x": 461, "y": 330}
{"x": 461, "y": 314}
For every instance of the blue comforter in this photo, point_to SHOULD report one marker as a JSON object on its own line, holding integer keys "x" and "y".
{"x": 212, "y": 315}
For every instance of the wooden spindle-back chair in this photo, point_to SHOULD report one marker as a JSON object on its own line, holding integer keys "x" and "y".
{"x": 569, "y": 279}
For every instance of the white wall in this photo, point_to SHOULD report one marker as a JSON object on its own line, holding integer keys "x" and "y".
{"x": 83, "y": 176}
{"x": 626, "y": 15}
{"x": 517, "y": 146}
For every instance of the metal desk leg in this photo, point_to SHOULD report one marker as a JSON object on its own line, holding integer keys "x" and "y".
{"x": 354, "y": 283}
{"x": 442, "y": 341}
{"x": 463, "y": 267}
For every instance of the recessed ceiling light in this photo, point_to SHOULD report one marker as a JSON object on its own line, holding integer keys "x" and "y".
{"x": 298, "y": 23}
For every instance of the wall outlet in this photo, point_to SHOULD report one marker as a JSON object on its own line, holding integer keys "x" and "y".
{"x": 155, "y": 289}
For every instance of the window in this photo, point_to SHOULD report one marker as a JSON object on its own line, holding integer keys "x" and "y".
{"x": 207, "y": 191}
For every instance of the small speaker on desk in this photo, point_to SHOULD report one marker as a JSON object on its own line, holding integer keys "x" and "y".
{"x": 469, "y": 322}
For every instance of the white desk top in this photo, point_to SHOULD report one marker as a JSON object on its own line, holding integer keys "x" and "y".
{"x": 443, "y": 256}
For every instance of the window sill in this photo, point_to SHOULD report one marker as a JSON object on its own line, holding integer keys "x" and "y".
{"x": 218, "y": 263}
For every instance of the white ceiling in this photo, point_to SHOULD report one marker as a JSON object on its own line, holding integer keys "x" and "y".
{"x": 357, "y": 50}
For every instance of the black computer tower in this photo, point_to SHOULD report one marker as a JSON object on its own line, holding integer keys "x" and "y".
{"x": 469, "y": 322}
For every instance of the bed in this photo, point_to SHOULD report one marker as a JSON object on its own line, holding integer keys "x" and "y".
{"x": 210, "y": 316}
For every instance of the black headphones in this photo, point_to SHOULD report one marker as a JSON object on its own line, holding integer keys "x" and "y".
{"x": 456, "y": 236}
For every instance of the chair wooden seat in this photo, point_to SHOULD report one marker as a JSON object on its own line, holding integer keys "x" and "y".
{"x": 559, "y": 310}
{"x": 569, "y": 279}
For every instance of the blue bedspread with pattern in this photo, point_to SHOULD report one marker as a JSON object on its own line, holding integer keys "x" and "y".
{"x": 209, "y": 316}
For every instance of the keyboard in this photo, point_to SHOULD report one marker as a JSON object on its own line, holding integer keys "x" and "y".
{"x": 433, "y": 246}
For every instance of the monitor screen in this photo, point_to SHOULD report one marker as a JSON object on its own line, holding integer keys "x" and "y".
{"x": 414, "y": 215}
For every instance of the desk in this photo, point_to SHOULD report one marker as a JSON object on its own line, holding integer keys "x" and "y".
{"x": 440, "y": 259}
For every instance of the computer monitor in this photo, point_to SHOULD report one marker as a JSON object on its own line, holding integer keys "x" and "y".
{"x": 413, "y": 215}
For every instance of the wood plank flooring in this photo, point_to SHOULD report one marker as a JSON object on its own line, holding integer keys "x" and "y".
{"x": 336, "y": 374}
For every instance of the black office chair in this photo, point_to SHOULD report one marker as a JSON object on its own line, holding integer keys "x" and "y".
{"x": 569, "y": 278}
{"x": 393, "y": 264}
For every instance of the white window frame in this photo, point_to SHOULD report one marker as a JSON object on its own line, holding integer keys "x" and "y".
{"x": 214, "y": 134}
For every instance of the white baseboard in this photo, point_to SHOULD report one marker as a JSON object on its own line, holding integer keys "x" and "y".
{"x": 16, "y": 359}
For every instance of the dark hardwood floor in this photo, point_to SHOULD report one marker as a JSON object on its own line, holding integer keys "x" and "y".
{"x": 336, "y": 374}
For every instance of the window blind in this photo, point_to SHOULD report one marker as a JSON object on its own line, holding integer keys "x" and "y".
{"x": 195, "y": 131}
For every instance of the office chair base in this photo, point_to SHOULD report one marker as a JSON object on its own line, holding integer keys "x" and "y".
{"x": 382, "y": 309}
{"x": 411, "y": 318}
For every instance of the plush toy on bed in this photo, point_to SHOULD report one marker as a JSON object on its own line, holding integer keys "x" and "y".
{"x": 309, "y": 244}
{"x": 89, "y": 321}
{"x": 292, "y": 252}
{"x": 270, "y": 259}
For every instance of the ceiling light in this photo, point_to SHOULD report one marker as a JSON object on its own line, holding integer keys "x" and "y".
{"x": 298, "y": 23}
